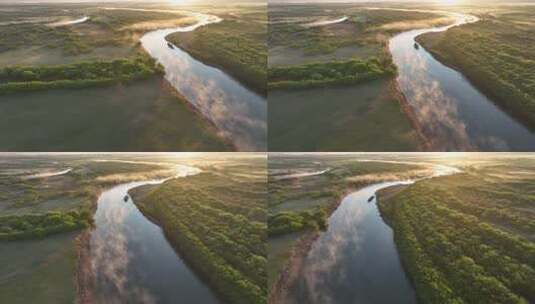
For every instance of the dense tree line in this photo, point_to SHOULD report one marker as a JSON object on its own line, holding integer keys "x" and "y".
{"x": 30, "y": 226}
{"x": 330, "y": 73}
{"x": 224, "y": 243}
{"x": 77, "y": 75}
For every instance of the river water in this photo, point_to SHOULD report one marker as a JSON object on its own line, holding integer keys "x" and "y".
{"x": 131, "y": 260}
{"x": 355, "y": 260}
{"x": 239, "y": 113}
{"x": 453, "y": 114}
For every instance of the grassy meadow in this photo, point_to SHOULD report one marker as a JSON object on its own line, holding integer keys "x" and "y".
{"x": 143, "y": 116}
{"x": 32, "y": 35}
{"x": 357, "y": 115}
{"x": 497, "y": 54}
{"x": 468, "y": 237}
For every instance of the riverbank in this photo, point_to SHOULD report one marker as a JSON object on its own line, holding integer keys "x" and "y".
{"x": 280, "y": 289}
{"x": 424, "y": 143}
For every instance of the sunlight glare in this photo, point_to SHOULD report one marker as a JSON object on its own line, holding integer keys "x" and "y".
{"x": 449, "y": 2}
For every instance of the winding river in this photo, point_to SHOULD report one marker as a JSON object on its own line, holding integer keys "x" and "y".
{"x": 326, "y": 22}
{"x": 453, "y": 114}
{"x": 69, "y": 22}
{"x": 239, "y": 113}
{"x": 356, "y": 258}
{"x": 130, "y": 258}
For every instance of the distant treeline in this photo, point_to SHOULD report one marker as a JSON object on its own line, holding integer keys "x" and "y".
{"x": 329, "y": 73}
{"x": 32, "y": 226}
{"x": 77, "y": 75}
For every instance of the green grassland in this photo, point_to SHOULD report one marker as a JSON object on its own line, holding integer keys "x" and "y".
{"x": 339, "y": 119}
{"x": 217, "y": 222}
{"x": 363, "y": 29}
{"x": 41, "y": 220}
{"x": 298, "y": 208}
{"x": 469, "y": 237}
{"x": 237, "y": 45}
{"x": 343, "y": 71}
{"x": 348, "y": 72}
{"x": 497, "y": 54}
{"x": 146, "y": 115}
{"x": 39, "y": 271}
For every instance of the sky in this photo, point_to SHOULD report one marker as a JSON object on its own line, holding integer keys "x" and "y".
{"x": 139, "y": 1}
{"x": 249, "y": 1}
{"x": 400, "y": 1}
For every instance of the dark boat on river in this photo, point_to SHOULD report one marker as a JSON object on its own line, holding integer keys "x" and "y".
{"x": 170, "y": 45}
{"x": 416, "y": 46}
{"x": 371, "y": 198}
